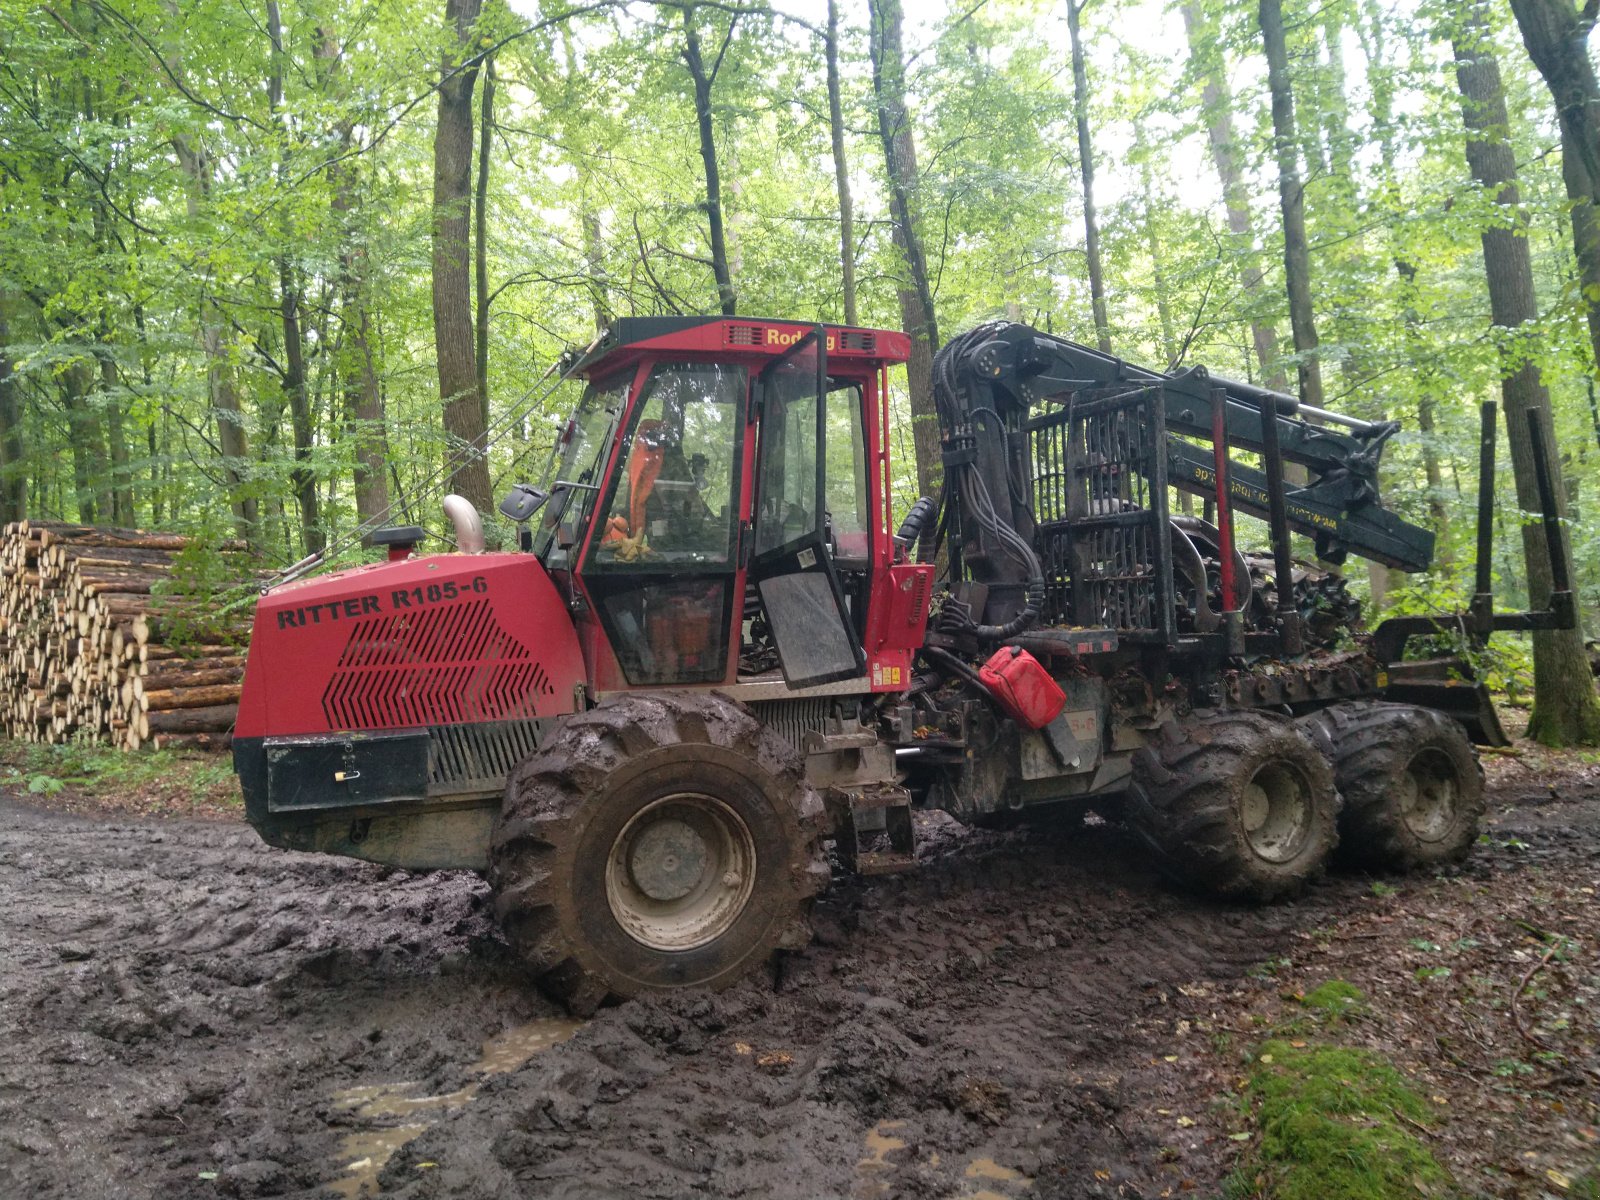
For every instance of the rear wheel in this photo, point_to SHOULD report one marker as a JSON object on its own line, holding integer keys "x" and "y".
{"x": 1411, "y": 780}
{"x": 659, "y": 841}
{"x": 1236, "y": 803}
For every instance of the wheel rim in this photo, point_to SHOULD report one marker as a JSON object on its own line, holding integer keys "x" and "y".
{"x": 1430, "y": 796}
{"x": 1277, "y": 810}
{"x": 681, "y": 872}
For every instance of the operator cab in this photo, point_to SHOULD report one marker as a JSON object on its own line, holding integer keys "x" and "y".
{"x": 717, "y": 502}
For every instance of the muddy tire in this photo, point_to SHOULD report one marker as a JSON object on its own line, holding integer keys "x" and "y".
{"x": 1411, "y": 781}
{"x": 1238, "y": 804}
{"x": 656, "y": 842}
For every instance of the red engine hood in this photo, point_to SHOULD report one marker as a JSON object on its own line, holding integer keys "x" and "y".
{"x": 444, "y": 640}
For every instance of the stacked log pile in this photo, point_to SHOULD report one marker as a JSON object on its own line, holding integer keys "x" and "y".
{"x": 91, "y": 649}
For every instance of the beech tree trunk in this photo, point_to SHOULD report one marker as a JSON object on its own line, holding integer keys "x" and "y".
{"x": 121, "y": 477}
{"x": 480, "y": 235}
{"x": 1565, "y": 709}
{"x": 1556, "y": 34}
{"x": 1291, "y": 199}
{"x": 454, "y": 348}
{"x": 704, "y": 78}
{"x": 13, "y": 464}
{"x": 364, "y": 416}
{"x": 841, "y": 168}
{"x": 1217, "y": 101}
{"x": 916, "y": 293}
{"x": 1091, "y": 223}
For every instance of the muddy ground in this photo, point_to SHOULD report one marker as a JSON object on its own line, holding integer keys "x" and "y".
{"x": 184, "y": 1012}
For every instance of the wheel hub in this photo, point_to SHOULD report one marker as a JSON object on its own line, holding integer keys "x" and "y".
{"x": 1275, "y": 809}
{"x": 668, "y": 859}
{"x": 681, "y": 872}
{"x": 1429, "y": 796}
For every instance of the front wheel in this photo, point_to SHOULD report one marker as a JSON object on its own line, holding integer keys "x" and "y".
{"x": 659, "y": 841}
{"x": 1412, "y": 783}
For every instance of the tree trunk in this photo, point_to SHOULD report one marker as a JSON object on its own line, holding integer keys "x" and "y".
{"x": 75, "y": 383}
{"x": 1565, "y": 710}
{"x": 13, "y": 465}
{"x": 357, "y": 368}
{"x": 1556, "y": 34}
{"x": 841, "y": 168}
{"x": 916, "y": 294}
{"x": 1217, "y": 101}
{"x": 1152, "y": 242}
{"x": 303, "y": 477}
{"x": 1091, "y": 223}
{"x": 464, "y": 425}
{"x": 1291, "y": 198}
{"x": 221, "y": 384}
{"x": 120, "y": 478}
{"x": 704, "y": 78}
{"x": 480, "y": 210}
{"x": 594, "y": 262}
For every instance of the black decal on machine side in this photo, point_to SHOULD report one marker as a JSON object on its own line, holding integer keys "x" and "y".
{"x": 350, "y": 608}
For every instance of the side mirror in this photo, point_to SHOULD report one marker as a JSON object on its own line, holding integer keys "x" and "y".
{"x": 521, "y": 502}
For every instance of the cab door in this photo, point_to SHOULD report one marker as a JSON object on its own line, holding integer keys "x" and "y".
{"x": 790, "y": 562}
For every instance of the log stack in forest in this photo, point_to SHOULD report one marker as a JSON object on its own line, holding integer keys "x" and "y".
{"x": 91, "y": 648}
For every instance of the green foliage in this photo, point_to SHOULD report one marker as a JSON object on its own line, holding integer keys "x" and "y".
{"x": 96, "y": 771}
{"x": 172, "y": 189}
{"x": 201, "y": 589}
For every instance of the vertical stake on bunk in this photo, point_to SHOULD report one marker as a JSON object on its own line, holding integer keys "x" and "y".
{"x": 1232, "y": 617}
{"x": 1282, "y": 557}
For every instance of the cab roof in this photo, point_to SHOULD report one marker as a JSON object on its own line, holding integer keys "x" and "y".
{"x": 736, "y": 338}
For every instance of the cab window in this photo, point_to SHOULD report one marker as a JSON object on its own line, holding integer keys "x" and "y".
{"x": 665, "y": 549}
{"x": 675, "y": 500}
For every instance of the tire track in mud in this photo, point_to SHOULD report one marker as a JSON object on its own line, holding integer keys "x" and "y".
{"x": 179, "y": 1001}
{"x": 996, "y": 1024}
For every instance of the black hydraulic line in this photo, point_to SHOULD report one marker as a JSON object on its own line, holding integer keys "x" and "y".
{"x": 1282, "y": 554}
{"x": 953, "y": 664}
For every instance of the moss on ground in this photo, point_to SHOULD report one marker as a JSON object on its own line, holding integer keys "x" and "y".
{"x": 1336, "y": 1122}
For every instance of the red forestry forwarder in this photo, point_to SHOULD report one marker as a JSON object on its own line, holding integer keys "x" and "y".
{"x": 711, "y": 653}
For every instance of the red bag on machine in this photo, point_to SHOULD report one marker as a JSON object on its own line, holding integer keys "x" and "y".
{"x": 1021, "y": 686}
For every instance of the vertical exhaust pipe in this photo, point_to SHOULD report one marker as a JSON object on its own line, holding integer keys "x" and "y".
{"x": 469, "y": 525}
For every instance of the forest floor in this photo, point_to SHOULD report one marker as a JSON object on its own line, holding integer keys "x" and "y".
{"x": 185, "y": 1012}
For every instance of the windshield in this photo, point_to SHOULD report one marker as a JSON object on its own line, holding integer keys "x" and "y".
{"x": 577, "y": 460}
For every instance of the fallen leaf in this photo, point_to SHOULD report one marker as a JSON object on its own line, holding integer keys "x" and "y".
{"x": 1186, "y": 1122}
{"x": 1557, "y": 1178}
{"x": 1239, "y": 1137}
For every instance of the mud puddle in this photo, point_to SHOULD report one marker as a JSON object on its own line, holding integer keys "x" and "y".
{"x": 884, "y": 1171}
{"x": 366, "y": 1151}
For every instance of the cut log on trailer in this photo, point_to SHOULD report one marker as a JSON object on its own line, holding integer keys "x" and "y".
{"x": 92, "y": 649}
